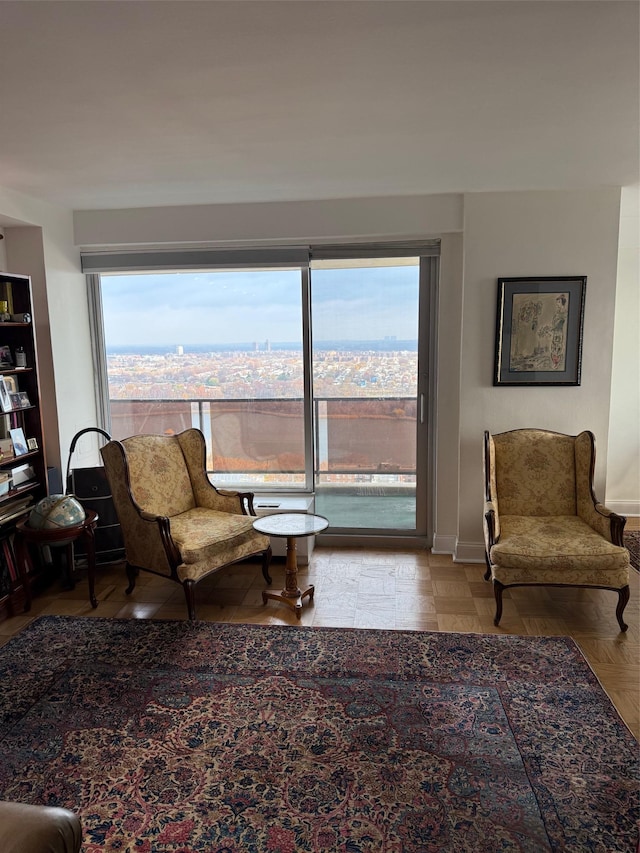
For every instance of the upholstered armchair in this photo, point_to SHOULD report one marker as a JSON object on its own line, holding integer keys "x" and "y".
{"x": 542, "y": 522}
{"x": 174, "y": 522}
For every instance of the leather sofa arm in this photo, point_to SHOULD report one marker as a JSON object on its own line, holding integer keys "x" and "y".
{"x": 38, "y": 829}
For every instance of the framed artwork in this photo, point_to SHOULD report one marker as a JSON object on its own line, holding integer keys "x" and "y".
{"x": 539, "y": 331}
{"x": 32, "y": 443}
{"x": 5, "y": 399}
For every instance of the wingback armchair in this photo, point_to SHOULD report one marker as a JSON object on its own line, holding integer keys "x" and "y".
{"x": 542, "y": 522}
{"x": 174, "y": 522}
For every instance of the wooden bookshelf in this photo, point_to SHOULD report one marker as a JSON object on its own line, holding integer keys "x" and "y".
{"x": 23, "y": 475}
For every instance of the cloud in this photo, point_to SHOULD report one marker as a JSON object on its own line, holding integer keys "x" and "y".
{"x": 245, "y": 306}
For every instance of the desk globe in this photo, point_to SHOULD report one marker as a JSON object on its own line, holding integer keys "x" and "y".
{"x": 57, "y": 512}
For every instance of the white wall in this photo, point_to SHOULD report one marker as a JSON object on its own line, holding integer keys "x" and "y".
{"x": 533, "y": 234}
{"x": 623, "y": 468}
{"x": 272, "y": 222}
{"x": 505, "y": 234}
{"x": 39, "y": 242}
{"x": 449, "y": 331}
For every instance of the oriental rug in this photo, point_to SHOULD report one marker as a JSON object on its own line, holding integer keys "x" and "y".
{"x": 632, "y": 544}
{"x": 178, "y": 736}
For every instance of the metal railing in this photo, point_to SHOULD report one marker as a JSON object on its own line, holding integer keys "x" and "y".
{"x": 354, "y": 437}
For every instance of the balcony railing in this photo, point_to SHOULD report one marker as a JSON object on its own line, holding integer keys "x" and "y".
{"x": 365, "y": 459}
{"x": 354, "y": 437}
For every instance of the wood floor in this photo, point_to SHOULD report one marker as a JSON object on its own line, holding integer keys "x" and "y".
{"x": 391, "y": 589}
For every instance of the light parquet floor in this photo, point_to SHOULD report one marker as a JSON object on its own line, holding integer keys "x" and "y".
{"x": 389, "y": 589}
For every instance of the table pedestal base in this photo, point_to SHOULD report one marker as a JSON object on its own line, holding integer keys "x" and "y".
{"x": 294, "y": 601}
{"x": 291, "y": 594}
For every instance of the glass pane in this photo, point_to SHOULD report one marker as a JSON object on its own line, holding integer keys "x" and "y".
{"x": 365, "y": 374}
{"x": 218, "y": 350}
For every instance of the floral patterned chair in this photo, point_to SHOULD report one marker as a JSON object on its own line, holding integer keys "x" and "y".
{"x": 542, "y": 522}
{"x": 174, "y": 522}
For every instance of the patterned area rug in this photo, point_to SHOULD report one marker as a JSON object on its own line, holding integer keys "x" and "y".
{"x": 632, "y": 543}
{"x": 170, "y": 736}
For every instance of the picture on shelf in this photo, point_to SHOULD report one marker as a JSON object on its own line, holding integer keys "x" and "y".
{"x": 5, "y": 399}
{"x": 19, "y": 441}
{"x": 12, "y": 384}
{"x": 19, "y": 400}
{"x": 6, "y": 449}
{"x": 32, "y": 443}
{"x": 6, "y": 359}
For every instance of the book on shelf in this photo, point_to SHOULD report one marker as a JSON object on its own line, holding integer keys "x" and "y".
{"x": 22, "y": 475}
{"x": 8, "y": 295}
{"x": 15, "y": 509}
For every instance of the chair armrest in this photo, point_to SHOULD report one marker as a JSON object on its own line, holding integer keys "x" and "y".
{"x": 225, "y": 500}
{"x": 245, "y": 498}
{"x": 163, "y": 524}
{"x": 607, "y": 523}
{"x": 491, "y": 525}
{"x": 604, "y": 521}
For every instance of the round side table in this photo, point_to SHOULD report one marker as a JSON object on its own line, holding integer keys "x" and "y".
{"x": 291, "y": 525}
{"x": 58, "y": 537}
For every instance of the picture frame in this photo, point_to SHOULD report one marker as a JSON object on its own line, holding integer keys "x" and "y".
{"x": 6, "y": 359}
{"x": 12, "y": 384}
{"x": 32, "y": 443}
{"x": 20, "y": 400}
{"x": 6, "y": 449}
{"x": 539, "y": 328}
{"x": 19, "y": 441}
{"x": 5, "y": 399}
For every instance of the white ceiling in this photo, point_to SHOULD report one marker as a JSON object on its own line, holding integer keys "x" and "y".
{"x": 111, "y": 104}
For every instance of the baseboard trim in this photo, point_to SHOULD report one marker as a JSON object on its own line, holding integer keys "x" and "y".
{"x": 631, "y": 508}
{"x": 444, "y": 544}
{"x": 469, "y": 552}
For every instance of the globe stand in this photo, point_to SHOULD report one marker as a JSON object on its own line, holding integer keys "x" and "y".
{"x": 57, "y": 537}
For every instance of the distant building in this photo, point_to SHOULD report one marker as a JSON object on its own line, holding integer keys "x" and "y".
{"x": 179, "y": 350}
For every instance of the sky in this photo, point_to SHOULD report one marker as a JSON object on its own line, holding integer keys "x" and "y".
{"x": 246, "y": 306}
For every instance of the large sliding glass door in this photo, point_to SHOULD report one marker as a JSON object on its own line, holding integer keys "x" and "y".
{"x": 305, "y": 378}
{"x": 365, "y": 330}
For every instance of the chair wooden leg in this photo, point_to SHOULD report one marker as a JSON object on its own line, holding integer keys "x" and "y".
{"x": 497, "y": 591}
{"x": 623, "y": 600}
{"x": 266, "y": 562}
{"x": 132, "y": 574}
{"x": 487, "y": 574}
{"x": 189, "y": 594}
